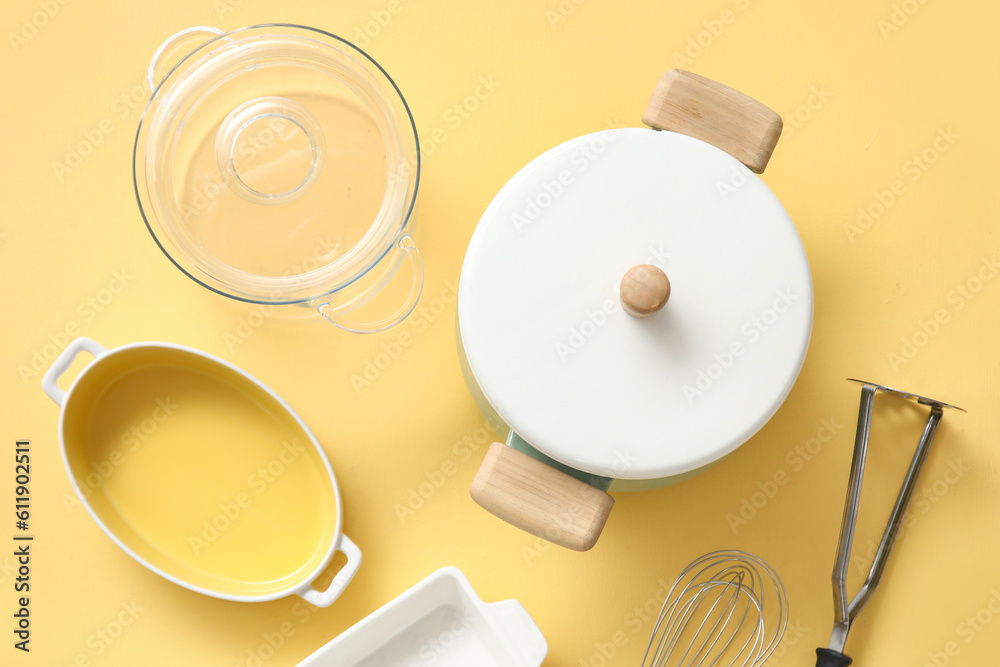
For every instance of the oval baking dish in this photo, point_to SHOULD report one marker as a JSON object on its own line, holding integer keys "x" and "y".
{"x": 200, "y": 472}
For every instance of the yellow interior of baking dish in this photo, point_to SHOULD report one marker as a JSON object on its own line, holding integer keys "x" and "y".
{"x": 199, "y": 471}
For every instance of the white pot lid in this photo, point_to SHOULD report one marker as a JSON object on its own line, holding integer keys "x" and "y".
{"x": 588, "y": 384}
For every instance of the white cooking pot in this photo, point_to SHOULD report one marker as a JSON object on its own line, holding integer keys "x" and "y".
{"x": 634, "y": 305}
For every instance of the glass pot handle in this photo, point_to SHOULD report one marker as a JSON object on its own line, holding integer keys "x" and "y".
{"x": 159, "y": 65}
{"x": 406, "y": 244}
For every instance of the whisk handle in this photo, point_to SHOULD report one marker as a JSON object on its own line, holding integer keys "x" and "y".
{"x": 829, "y": 658}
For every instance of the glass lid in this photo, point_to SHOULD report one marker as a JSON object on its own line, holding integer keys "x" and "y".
{"x": 274, "y": 163}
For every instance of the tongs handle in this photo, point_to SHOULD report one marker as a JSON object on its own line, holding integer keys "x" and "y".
{"x": 826, "y": 657}
{"x": 847, "y": 609}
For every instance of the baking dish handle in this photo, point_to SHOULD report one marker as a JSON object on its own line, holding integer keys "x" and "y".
{"x": 520, "y": 630}
{"x": 62, "y": 363}
{"x": 340, "y": 581}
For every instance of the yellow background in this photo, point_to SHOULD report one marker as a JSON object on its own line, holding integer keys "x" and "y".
{"x": 864, "y": 87}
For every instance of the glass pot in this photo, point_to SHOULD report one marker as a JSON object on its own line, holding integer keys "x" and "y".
{"x": 278, "y": 164}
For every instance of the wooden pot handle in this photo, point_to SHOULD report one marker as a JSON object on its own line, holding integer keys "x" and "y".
{"x": 704, "y": 109}
{"x": 539, "y": 499}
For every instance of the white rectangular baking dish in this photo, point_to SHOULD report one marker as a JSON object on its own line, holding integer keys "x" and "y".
{"x": 442, "y": 622}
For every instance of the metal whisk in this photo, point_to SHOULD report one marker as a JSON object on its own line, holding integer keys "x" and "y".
{"x": 715, "y": 612}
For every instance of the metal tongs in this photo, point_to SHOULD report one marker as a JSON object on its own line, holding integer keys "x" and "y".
{"x": 844, "y": 612}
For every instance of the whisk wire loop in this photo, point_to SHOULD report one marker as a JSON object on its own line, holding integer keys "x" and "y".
{"x": 715, "y": 611}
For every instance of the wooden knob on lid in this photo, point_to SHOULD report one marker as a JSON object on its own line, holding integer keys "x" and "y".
{"x": 644, "y": 290}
